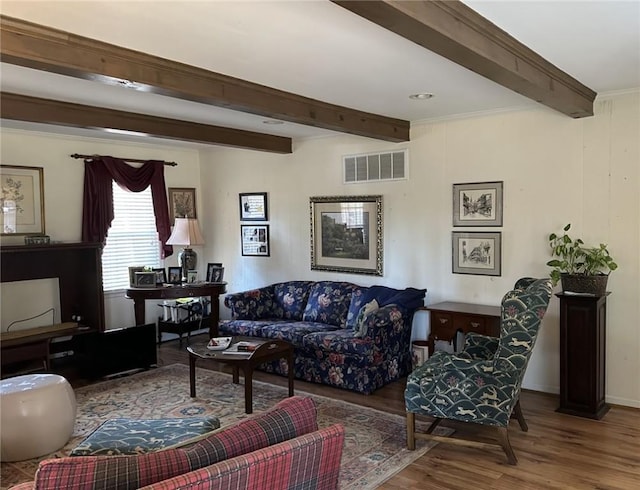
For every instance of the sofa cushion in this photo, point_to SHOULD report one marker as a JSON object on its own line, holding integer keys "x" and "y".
{"x": 295, "y": 332}
{"x": 288, "y": 419}
{"x": 247, "y": 328}
{"x": 329, "y": 303}
{"x": 292, "y": 298}
{"x": 358, "y": 298}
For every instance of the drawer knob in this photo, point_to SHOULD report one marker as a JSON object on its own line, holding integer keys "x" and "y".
{"x": 475, "y": 324}
{"x": 443, "y": 320}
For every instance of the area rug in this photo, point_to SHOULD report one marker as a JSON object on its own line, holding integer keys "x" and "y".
{"x": 375, "y": 443}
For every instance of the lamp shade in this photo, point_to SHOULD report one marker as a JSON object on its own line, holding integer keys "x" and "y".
{"x": 186, "y": 232}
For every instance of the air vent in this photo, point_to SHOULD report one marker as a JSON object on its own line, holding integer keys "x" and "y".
{"x": 369, "y": 167}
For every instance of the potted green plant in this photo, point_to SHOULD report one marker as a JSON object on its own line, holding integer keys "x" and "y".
{"x": 579, "y": 268}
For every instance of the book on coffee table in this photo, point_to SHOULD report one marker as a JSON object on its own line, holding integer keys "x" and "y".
{"x": 242, "y": 348}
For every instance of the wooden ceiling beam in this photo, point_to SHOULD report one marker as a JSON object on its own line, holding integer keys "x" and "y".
{"x": 458, "y": 33}
{"x": 47, "y": 111}
{"x": 43, "y": 48}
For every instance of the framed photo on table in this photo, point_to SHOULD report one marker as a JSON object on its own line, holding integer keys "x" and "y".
{"x": 253, "y": 206}
{"x": 161, "y": 276}
{"x": 22, "y": 200}
{"x": 175, "y": 275}
{"x": 477, "y": 253}
{"x": 477, "y": 204}
{"x": 255, "y": 240}
{"x": 215, "y": 272}
{"x": 346, "y": 234}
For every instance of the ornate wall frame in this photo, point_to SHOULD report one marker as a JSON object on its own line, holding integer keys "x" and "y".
{"x": 346, "y": 234}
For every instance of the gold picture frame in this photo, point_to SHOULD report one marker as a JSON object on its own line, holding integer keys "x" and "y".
{"x": 22, "y": 200}
{"x": 346, "y": 234}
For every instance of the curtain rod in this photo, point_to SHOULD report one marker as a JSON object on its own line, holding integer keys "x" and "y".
{"x": 133, "y": 160}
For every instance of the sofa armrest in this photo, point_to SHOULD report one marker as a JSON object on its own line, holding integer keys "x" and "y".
{"x": 255, "y": 304}
{"x": 308, "y": 461}
{"x": 384, "y": 326}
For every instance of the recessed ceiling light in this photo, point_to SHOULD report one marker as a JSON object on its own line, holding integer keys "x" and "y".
{"x": 423, "y": 96}
{"x": 272, "y": 121}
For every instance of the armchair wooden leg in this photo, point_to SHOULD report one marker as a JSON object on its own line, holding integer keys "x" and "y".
{"x": 411, "y": 431}
{"x": 433, "y": 425}
{"x": 517, "y": 411}
{"x": 503, "y": 439}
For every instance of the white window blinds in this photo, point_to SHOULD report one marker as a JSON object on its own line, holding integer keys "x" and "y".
{"x": 132, "y": 239}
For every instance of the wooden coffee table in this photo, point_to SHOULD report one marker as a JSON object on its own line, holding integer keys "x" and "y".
{"x": 268, "y": 350}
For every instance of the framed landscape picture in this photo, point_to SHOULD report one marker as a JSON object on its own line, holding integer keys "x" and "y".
{"x": 255, "y": 240}
{"x": 477, "y": 204}
{"x": 477, "y": 253}
{"x": 346, "y": 234}
{"x": 22, "y": 200}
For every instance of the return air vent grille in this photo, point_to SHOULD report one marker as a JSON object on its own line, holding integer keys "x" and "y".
{"x": 391, "y": 165}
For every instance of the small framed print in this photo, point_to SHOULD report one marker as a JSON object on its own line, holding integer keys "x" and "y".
{"x": 182, "y": 203}
{"x": 253, "y": 206}
{"x": 175, "y": 275}
{"x": 22, "y": 200}
{"x": 161, "y": 276}
{"x": 215, "y": 272}
{"x": 477, "y": 204}
{"x": 255, "y": 240}
{"x": 477, "y": 253}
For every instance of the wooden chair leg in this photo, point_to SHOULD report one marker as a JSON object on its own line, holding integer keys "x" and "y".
{"x": 503, "y": 439}
{"x": 517, "y": 411}
{"x": 411, "y": 431}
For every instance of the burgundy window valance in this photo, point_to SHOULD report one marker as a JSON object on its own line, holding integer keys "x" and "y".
{"x": 97, "y": 212}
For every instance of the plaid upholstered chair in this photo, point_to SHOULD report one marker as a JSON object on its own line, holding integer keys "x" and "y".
{"x": 481, "y": 384}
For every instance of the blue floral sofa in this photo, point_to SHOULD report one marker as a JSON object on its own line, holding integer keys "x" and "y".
{"x": 344, "y": 335}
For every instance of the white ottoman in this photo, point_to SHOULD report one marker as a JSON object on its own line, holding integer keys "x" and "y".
{"x": 38, "y": 412}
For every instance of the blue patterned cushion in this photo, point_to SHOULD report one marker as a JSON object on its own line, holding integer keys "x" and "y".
{"x": 292, "y": 298}
{"x": 138, "y": 436}
{"x": 358, "y": 298}
{"x": 329, "y": 302}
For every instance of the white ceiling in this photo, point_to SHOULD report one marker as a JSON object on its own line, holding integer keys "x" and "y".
{"x": 320, "y": 50}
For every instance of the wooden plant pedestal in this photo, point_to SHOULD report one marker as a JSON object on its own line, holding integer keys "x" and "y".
{"x": 583, "y": 322}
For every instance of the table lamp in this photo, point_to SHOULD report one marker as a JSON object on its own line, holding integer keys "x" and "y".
{"x": 186, "y": 232}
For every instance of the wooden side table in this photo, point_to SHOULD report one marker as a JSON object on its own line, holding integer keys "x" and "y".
{"x": 449, "y": 318}
{"x": 583, "y": 323}
{"x": 213, "y": 290}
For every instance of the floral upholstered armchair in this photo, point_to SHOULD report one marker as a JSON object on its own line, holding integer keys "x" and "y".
{"x": 481, "y": 384}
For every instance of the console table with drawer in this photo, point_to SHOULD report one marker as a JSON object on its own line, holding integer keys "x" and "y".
{"x": 449, "y": 318}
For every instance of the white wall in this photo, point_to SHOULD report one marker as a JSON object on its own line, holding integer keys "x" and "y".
{"x": 63, "y": 184}
{"x": 556, "y": 170}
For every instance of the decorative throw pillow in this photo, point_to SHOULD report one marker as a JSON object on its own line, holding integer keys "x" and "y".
{"x": 364, "y": 312}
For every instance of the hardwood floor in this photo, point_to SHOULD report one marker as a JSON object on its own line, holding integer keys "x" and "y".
{"x": 559, "y": 451}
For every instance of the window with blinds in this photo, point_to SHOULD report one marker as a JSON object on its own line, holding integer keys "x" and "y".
{"x": 132, "y": 239}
